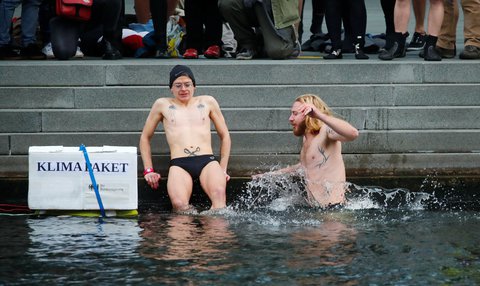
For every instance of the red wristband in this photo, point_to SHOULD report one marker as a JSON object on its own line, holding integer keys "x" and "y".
{"x": 148, "y": 171}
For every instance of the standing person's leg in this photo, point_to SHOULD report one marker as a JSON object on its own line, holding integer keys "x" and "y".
{"x": 7, "y": 9}
{"x": 333, "y": 19}
{"x": 179, "y": 187}
{"x": 435, "y": 19}
{"x": 446, "y": 44}
{"x": 30, "y": 50}
{"x": 318, "y": 13}
{"x": 159, "y": 12}
{"x": 109, "y": 11}
{"x": 471, "y": 29}
{"x": 401, "y": 17}
{"x": 213, "y": 29}
{"x": 142, "y": 11}
{"x": 358, "y": 24}
{"x": 194, "y": 20}
{"x": 388, "y": 8}
{"x": 418, "y": 40}
{"x": 214, "y": 183}
{"x": 419, "y": 9}
{"x": 240, "y": 19}
{"x": 300, "y": 25}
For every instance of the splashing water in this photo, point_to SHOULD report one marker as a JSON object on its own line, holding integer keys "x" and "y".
{"x": 280, "y": 192}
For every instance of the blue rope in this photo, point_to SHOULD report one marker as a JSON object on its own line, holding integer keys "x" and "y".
{"x": 92, "y": 178}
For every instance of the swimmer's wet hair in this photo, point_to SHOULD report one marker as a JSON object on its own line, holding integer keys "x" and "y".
{"x": 313, "y": 125}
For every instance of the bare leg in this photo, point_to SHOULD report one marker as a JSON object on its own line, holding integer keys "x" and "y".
{"x": 142, "y": 11}
{"x": 214, "y": 183}
{"x": 179, "y": 186}
{"x": 419, "y": 7}
{"x": 402, "y": 15}
{"x": 435, "y": 17}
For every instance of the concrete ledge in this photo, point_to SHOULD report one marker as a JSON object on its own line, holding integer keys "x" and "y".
{"x": 425, "y": 118}
{"x": 272, "y": 72}
{"x": 142, "y": 97}
{"x": 20, "y": 122}
{"x": 357, "y": 165}
{"x": 4, "y": 145}
{"x": 457, "y": 71}
{"x": 266, "y": 142}
{"x": 415, "y": 141}
{"x": 52, "y": 73}
{"x": 36, "y": 97}
{"x": 244, "y": 119}
{"x": 229, "y": 72}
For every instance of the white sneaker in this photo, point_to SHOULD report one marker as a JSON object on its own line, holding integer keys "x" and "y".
{"x": 79, "y": 53}
{"x": 47, "y": 51}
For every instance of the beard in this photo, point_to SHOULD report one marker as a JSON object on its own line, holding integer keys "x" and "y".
{"x": 299, "y": 130}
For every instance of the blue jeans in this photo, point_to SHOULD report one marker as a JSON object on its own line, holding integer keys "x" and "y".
{"x": 29, "y": 20}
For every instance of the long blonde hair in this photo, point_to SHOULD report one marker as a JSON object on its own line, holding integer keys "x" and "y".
{"x": 313, "y": 125}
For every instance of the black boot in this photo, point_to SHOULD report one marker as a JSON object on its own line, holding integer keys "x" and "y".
{"x": 358, "y": 46}
{"x": 398, "y": 48}
{"x": 334, "y": 55}
{"x": 429, "y": 51}
{"x": 111, "y": 53}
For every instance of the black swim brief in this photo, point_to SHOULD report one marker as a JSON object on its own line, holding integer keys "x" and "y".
{"x": 193, "y": 165}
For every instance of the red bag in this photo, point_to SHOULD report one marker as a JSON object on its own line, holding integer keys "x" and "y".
{"x": 75, "y": 9}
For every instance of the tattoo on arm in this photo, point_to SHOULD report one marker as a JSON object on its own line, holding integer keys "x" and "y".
{"x": 191, "y": 153}
{"x": 324, "y": 157}
{"x": 171, "y": 111}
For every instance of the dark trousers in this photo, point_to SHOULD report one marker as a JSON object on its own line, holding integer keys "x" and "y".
{"x": 353, "y": 13}
{"x": 158, "y": 9}
{"x": 204, "y": 24}
{"x": 105, "y": 21}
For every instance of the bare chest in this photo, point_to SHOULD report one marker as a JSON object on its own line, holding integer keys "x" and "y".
{"x": 193, "y": 116}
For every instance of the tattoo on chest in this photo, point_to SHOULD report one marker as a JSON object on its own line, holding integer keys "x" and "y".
{"x": 323, "y": 157}
{"x": 191, "y": 152}
{"x": 201, "y": 109}
{"x": 171, "y": 113}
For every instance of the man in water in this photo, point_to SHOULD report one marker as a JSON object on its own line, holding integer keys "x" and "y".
{"x": 186, "y": 120}
{"x": 321, "y": 154}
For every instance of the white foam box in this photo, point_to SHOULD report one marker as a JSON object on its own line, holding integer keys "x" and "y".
{"x": 58, "y": 178}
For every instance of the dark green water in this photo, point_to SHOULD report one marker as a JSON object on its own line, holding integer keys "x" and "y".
{"x": 267, "y": 236}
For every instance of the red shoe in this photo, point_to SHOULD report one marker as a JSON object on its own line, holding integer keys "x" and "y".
{"x": 213, "y": 52}
{"x": 190, "y": 54}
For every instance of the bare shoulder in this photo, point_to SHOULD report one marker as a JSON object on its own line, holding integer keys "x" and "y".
{"x": 162, "y": 101}
{"x": 208, "y": 100}
{"x": 161, "y": 104}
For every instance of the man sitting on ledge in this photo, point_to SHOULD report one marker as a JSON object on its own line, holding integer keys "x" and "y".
{"x": 186, "y": 120}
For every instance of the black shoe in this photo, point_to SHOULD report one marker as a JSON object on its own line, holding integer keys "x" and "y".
{"x": 111, "y": 53}
{"x": 32, "y": 52}
{"x": 417, "y": 43}
{"x": 429, "y": 51}
{"x": 396, "y": 51}
{"x": 470, "y": 53}
{"x": 8, "y": 53}
{"x": 334, "y": 55}
{"x": 444, "y": 53}
{"x": 431, "y": 54}
{"x": 398, "y": 48}
{"x": 359, "y": 54}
